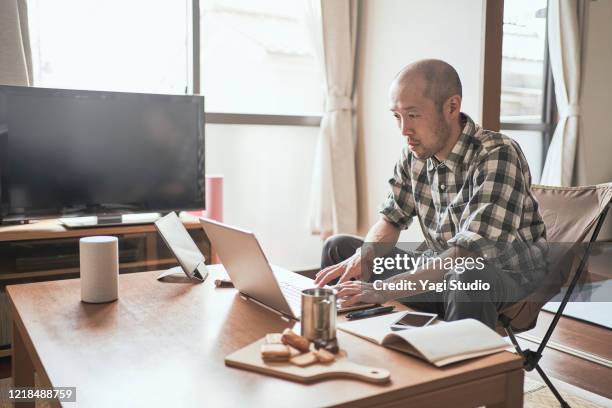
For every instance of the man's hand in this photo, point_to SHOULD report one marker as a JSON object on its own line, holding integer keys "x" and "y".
{"x": 353, "y": 292}
{"x": 347, "y": 269}
{"x": 384, "y": 234}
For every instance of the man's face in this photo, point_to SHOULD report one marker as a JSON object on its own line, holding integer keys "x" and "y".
{"x": 426, "y": 129}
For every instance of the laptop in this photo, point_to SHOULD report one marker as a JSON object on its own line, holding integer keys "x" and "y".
{"x": 269, "y": 285}
{"x": 183, "y": 247}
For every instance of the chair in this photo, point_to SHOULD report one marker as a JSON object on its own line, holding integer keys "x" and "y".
{"x": 572, "y": 215}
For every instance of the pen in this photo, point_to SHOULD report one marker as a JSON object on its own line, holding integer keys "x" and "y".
{"x": 370, "y": 312}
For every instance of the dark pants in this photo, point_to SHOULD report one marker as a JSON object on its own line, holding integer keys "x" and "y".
{"x": 449, "y": 304}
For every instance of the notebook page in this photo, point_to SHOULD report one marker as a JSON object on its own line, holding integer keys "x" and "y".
{"x": 450, "y": 341}
{"x": 373, "y": 329}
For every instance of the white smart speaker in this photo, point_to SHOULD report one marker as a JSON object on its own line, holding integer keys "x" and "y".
{"x": 99, "y": 264}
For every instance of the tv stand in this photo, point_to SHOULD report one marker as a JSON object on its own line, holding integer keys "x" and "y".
{"x": 46, "y": 250}
{"x": 109, "y": 220}
{"x": 5, "y": 222}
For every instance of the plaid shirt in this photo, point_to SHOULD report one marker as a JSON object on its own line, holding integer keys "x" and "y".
{"x": 479, "y": 199}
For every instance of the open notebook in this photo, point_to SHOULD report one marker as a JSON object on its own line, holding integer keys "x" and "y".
{"x": 441, "y": 343}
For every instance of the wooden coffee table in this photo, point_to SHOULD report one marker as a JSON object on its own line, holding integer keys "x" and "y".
{"x": 163, "y": 344}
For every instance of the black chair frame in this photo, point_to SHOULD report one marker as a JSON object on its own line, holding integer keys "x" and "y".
{"x": 531, "y": 358}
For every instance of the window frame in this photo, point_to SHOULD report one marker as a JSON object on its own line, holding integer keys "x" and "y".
{"x": 235, "y": 118}
{"x": 547, "y": 123}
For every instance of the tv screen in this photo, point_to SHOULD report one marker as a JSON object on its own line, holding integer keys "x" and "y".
{"x": 73, "y": 152}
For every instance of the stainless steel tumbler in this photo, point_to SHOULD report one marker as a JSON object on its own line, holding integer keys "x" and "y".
{"x": 319, "y": 314}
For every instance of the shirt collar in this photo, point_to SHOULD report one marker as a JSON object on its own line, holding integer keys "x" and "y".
{"x": 457, "y": 155}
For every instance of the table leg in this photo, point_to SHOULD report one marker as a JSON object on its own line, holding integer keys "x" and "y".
{"x": 21, "y": 365}
{"x": 514, "y": 391}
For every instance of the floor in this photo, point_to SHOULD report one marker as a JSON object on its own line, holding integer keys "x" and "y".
{"x": 573, "y": 370}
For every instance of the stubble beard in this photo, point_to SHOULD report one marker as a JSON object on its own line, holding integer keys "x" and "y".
{"x": 442, "y": 133}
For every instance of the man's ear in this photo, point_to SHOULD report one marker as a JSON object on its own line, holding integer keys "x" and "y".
{"x": 453, "y": 106}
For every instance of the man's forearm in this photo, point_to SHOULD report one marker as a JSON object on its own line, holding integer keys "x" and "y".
{"x": 433, "y": 274}
{"x": 380, "y": 240}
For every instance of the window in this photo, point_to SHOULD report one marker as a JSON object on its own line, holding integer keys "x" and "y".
{"x": 254, "y": 57}
{"x": 527, "y": 94}
{"x": 136, "y": 45}
{"x": 257, "y": 58}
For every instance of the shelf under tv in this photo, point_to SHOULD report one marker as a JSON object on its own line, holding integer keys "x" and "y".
{"x": 73, "y": 272}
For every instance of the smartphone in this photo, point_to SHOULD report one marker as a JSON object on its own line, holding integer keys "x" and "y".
{"x": 411, "y": 320}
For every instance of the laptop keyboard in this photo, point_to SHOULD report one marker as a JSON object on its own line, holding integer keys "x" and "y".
{"x": 292, "y": 293}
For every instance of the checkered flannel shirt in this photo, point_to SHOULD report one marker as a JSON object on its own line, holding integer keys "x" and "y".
{"x": 479, "y": 199}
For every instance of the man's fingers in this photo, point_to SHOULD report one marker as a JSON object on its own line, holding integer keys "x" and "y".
{"x": 323, "y": 272}
{"x": 348, "y": 291}
{"x": 348, "y": 284}
{"x": 348, "y": 274}
{"x": 345, "y": 277}
{"x": 328, "y": 274}
{"x": 350, "y": 301}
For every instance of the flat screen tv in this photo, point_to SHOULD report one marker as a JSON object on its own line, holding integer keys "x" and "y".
{"x": 76, "y": 153}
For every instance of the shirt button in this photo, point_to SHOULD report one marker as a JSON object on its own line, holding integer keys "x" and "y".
{"x": 442, "y": 187}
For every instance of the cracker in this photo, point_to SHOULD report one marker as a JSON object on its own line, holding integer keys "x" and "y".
{"x": 275, "y": 352}
{"x": 324, "y": 356}
{"x": 304, "y": 360}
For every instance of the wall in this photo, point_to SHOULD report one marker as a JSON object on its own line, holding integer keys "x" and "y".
{"x": 395, "y": 33}
{"x": 595, "y": 140}
{"x": 267, "y": 176}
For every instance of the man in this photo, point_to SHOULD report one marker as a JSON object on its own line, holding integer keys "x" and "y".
{"x": 469, "y": 188}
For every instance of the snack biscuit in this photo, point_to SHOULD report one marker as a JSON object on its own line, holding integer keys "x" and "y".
{"x": 293, "y": 339}
{"x": 304, "y": 360}
{"x": 275, "y": 352}
{"x": 324, "y": 356}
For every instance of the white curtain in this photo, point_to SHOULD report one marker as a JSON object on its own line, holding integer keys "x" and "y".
{"x": 333, "y": 26}
{"x": 15, "y": 54}
{"x": 564, "y": 43}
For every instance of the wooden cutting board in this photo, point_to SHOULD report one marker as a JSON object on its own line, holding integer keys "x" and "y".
{"x": 249, "y": 358}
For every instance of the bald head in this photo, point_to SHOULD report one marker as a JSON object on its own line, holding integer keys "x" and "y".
{"x": 438, "y": 78}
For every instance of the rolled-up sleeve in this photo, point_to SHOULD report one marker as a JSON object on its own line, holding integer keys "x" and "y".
{"x": 492, "y": 217}
{"x": 399, "y": 207}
